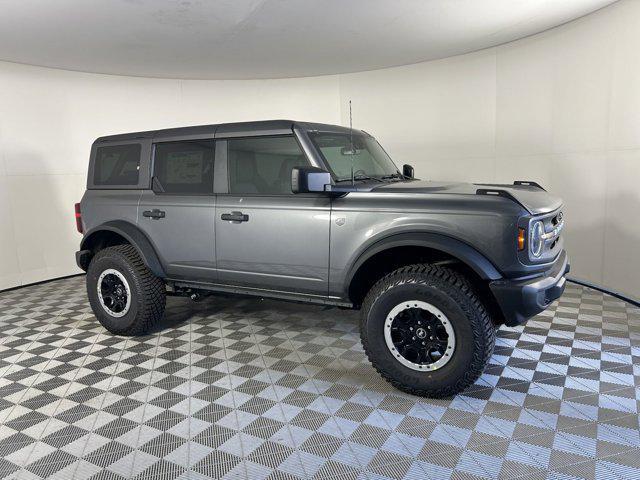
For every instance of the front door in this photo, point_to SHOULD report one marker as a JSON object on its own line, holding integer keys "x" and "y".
{"x": 178, "y": 214}
{"x": 266, "y": 236}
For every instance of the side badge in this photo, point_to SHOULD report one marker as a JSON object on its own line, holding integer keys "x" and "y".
{"x": 340, "y": 221}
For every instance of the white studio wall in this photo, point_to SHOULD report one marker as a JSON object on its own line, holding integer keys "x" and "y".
{"x": 49, "y": 118}
{"x": 561, "y": 108}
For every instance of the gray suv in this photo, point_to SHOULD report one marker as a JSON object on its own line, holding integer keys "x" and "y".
{"x": 319, "y": 213}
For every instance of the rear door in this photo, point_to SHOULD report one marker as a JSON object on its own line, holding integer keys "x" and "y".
{"x": 266, "y": 236}
{"x": 178, "y": 213}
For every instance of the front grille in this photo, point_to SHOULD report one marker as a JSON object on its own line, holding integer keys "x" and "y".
{"x": 553, "y": 225}
{"x": 558, "y": 222}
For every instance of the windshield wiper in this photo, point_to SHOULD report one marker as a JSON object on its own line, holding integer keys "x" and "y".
{"x": 393, "y": 175}
{"x": 359, "y": 177}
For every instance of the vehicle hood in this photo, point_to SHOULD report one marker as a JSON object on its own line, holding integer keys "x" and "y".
{"x": 534, "y": 199}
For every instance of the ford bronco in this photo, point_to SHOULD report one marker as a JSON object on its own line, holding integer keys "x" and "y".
{"x": 319, "y": 213}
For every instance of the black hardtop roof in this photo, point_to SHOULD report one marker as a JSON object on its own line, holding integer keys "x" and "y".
{"x": 227, "y": 129}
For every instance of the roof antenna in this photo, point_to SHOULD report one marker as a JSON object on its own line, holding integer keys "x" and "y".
{"x": 351, "y": 141}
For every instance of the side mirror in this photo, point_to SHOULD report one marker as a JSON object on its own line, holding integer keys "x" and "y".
{"x": 310, "y": 180}
{"x": 407, "y": 170}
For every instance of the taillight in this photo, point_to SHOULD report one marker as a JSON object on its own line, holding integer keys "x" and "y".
{"x": 79, "y": 219}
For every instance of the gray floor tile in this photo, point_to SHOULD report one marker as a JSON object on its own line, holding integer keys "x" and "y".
{"x": 242, "y": 388}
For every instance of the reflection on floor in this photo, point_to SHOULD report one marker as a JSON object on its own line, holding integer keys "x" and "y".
{"x": 244, "y": 388}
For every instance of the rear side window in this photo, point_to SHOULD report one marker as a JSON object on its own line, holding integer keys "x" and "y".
{"x": 262, "y": 165}
{"x": 117, "y": 165}
{"x": 185, "y": 167}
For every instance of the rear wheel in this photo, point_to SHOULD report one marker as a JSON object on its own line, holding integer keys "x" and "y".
{"x": 126, "y": 298}
{"x": 426, "y": 331}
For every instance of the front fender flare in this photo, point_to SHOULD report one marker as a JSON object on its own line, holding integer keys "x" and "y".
{"x": 458, "y": 249}
{"x": 135, "y": 237}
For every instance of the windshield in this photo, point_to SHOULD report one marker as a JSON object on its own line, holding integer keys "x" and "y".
{"x": 367, "y": 158}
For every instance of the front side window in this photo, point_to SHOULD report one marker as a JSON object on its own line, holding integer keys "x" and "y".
{"x": 185, "y": 167}
{"x": 117, "y": 165}
{"x": 262, "y": 165}
{"x": 360, "y": 154}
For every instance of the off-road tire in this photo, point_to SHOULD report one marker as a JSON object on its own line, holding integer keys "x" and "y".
{"x": 454, "y": 295}
{"x": 148, "y": 292}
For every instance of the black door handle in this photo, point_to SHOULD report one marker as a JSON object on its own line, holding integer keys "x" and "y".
{"x": 155, "y": 214}
{"x": 235, "y": 217}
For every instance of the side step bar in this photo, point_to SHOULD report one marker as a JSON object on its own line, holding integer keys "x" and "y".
{"x": 259, "y": 292}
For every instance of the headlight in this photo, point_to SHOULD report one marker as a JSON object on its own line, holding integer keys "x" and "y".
{"x": 536, "y": 240}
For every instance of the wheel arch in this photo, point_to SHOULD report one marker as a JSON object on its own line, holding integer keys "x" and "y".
{"x": 120, "y": 232}
{"x": 391, "y": 252}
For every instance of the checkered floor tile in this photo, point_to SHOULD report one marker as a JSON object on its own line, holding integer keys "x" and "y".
{"x": 244, "y": 388}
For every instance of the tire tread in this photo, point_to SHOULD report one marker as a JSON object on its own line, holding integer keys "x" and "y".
{"x": 153, "y": 291}
{"x": 474, "y": 309}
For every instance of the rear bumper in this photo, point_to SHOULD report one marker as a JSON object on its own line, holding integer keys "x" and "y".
{"x": 521, "y": 299}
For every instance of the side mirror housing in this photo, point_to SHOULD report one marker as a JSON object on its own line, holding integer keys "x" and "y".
{"x": 310, "y": 180}
{"x": 407, "y": 170}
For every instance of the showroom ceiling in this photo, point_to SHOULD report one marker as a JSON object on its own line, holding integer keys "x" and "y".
{"x": 235, "y": 39}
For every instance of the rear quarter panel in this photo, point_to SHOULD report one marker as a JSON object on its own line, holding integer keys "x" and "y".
{"x": 104, "y": 203}
{"x": 101, "y": 206}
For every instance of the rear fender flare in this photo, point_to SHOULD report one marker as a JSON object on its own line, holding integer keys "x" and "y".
{"x": 135, "y": 237}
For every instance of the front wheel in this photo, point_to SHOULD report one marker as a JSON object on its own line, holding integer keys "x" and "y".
{"x": 425, "y": 331}
{"x": 125, "y": 296}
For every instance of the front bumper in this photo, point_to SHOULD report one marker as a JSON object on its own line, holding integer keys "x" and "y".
{"x": 521, "y": 299}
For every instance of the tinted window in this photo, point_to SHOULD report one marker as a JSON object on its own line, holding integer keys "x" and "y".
{"x": 263, "y": 164}
{"x": 117, "y": 165}
{"x": 185, "y": 167}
